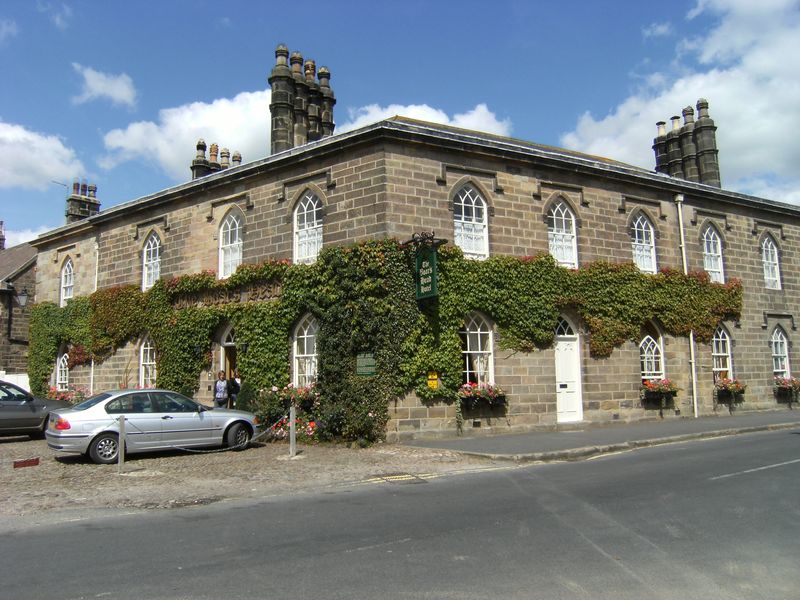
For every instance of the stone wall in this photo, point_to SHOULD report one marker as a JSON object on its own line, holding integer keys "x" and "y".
{"x": 392, "y": 188}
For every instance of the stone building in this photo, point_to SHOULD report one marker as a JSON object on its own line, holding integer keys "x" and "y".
{"x": 489, "y": 195}
{"x": 17, "y": 284}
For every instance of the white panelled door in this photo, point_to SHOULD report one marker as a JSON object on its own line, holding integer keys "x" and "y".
{"x": 569, "y": 400}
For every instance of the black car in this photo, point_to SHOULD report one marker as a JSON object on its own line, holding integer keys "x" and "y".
{"x": 22, "y": 413}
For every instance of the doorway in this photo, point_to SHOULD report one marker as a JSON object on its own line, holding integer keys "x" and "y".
{"x": 569, "y": 397}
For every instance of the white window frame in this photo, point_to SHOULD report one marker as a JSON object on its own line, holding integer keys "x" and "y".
{"x": 712, "y": 255}
{"x": 147, "y": 364}
{"x": 477, "y": 350}
{"x": 643, "y": 244}
{"x": 67, "y": 282}
{"x": 304, "y": 352}
{"x": 721, "y": 358}
{"x": 471, "y": 223}
{"x": 151, "y": 261}
{"x": 561, "y": 237}
{"x": 307, "y": 229}
{"x": 651, "y": 357}
{"x": 772, "y": 263}
{"x": 779, "y": 344}
{"x": 230, "y": 245}
{"x": 62, "y": 373}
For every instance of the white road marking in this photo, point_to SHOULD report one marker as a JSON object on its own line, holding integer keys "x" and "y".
{"x": 764, "y": 468}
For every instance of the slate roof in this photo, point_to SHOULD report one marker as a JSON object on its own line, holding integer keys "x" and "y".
{"x": 14, "y": 260}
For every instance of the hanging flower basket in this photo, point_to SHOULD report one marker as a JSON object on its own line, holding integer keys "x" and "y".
{"x": 729, "y": 391}
{"x": 474, "y": 395}
{"x": 786, "y": 389}
{"x": 658, "y": 393}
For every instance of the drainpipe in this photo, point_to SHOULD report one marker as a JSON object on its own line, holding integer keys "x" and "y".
{"x": 96, "y": 273}
{"x": 692, "y": 360}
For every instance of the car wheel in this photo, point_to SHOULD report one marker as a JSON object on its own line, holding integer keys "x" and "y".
{"x": 238, "y": 436}
{"x": 104, "y": 449}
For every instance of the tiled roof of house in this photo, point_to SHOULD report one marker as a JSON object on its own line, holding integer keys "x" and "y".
{"x": 14, "y": 259}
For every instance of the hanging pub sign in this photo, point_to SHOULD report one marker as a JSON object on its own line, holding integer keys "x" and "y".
{"x": 425, "y": 244}
{"x": 426, "y": 273}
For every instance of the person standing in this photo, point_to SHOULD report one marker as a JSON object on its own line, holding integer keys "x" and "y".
{"x": 234, "y": 386}
{"x": 220, "y": 391}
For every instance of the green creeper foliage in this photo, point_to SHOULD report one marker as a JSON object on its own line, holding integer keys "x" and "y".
{"x": 363, "y": 298}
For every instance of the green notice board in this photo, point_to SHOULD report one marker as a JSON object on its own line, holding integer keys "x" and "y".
{"x": 426, "y": 273}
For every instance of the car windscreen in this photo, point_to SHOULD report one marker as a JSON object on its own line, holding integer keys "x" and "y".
{"x": 90, "y": 402}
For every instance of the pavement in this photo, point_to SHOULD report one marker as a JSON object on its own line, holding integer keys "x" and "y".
{"x": 587, "y": 440}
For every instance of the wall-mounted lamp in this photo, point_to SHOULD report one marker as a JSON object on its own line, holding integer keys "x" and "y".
{"x": 22, "y": 300}
{"x": 243, "y": 347}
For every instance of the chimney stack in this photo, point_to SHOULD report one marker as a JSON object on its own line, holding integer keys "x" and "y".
{"x": 302, "y": 101}
{"x": 219, "y": 160}
{"x": 82, "y": 203}
{"x": 689, "y": 151}
{"x": 2, "y": 236}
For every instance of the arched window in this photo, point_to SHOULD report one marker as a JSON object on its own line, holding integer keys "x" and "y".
{"x": 772, "y": 267}
{"x": 722, "y": 365}
{"x": 470, "y": 223}
{"x": 307, "y": 229}
{"x": 712, "y": 255}
{"x": 151, "y": 261}
{"x": 304, "y": 350}
{"x": 147, "y": 364}
{"x": 67, "y": 281}
{"x": 651, "y": 356}
{"x": 561, "y": 234}
{"x": 62, "y": 373}
{"x": 563, "y": 328}
{"x": 230, "y": 245}
{"x": 643, "y": 244}
{"x": 476, "y": 349}
{"x": 780, "y": 353}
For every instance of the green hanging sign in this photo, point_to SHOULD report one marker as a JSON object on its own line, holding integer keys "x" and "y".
{"x": 427, "y": 286}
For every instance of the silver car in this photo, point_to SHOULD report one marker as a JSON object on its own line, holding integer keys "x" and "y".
{"x": 154, "y": 420}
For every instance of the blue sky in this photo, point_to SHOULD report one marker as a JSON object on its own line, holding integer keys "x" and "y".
{"x": 118, "y": 92}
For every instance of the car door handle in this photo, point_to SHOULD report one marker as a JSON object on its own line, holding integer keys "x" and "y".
{"x": 165, "y": 417}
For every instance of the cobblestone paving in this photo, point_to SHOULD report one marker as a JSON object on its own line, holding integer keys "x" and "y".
{"x": 176, "y": 479}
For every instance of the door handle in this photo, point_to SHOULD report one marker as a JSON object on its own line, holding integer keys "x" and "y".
{"x": 165, "y": 417}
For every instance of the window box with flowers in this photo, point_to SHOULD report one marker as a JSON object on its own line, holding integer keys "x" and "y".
{"x": 729, "y": 391}
{"x": 786, "y": 389}
{"x": 658, "y": 393}
{"x": 473, "y": 395}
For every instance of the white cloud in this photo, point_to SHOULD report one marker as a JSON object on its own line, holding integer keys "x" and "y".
{"x": 241, "y": 123}
{"x": 479, "y": 118}
{"x": 19, "y": 236}
{"x": 746, "y": 66}
{"x": 32, "y": 160}
{"x": 8, "y": 29}
{"x": 59, "y": 14}
{"x": 657, "y": 30}
{"x": 117, "y": 88}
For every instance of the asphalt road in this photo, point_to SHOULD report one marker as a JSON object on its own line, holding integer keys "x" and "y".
{"x": 706, "y": 519}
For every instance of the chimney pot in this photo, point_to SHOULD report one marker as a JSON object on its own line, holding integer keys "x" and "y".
{"x": 311, "y": 70}
{"x": 676, "y": 123}
{"x": 83, "y": 187}
{"x": 236, "y": 159}
{"x": 224, "y": 158}
{"x": 201, "y": 149}
{"x": 213, "y": 153}
{"x": 688, "y": 115}
{"x": 76, "y": 186}
{"x": 92, "y": 190}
